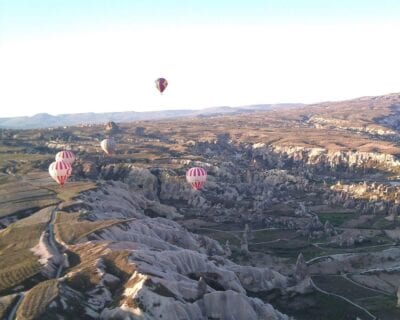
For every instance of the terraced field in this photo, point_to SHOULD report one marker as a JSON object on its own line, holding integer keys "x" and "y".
{"x": 69, "y": 228}
{"x": 17, "y": 262}
{"x": 18, "y": 196}
{"x": 37, "y": 300}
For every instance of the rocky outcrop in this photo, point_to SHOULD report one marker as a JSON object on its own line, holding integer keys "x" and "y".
{"x": 112, "y": 127}
{"x": 301, "y": 270}
{"x": 136, "y": 178}
{"x": 177, "y": 274}
{"x": 222, "y": 305}
{"x": 119, "y": 200}
{"x": 349, "y": 238}
{"x": 398, "y": 297}
{"x": 320, "y": 158}
{"x": 368, "y": 191}
{"x": 392, "y": 120}
{"x": 321, "y": 122}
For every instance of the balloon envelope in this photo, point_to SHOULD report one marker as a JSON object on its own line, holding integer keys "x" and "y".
{"x": 67, "y": 156}
{"x": 60, "y": 171}
{"x": 161, "y": 84}
{"x": 196, "y": 177}
{"x": 108, "y": 145}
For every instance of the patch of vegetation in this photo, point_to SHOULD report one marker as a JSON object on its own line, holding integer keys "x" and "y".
{"x": 342, "y": 286}
{"x": 335, "y": 218}
{"x": 288, "y": 249}
{"x": 271, "y": 235}
{"x": 37, "y": 300}
{"x": 384, "y": 307}
{"x": 18, "y": 273}
{"x": 318, "y": 306}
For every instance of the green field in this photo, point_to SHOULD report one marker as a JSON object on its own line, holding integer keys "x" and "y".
{"x": 335, "y": 218}
{"x": 383, "y": 306}
{"x": 314, "y": 306}
{"x": 271, "y": 235}
{"x": 378, "y": 304}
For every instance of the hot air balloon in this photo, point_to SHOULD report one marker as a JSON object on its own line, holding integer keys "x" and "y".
{"x": 67, "y": 156}
{"x": 196, "y": 177}
{"x": 161, "y": 84}
{"x": 60, "y": 171}
{"x": 108, "y": 145}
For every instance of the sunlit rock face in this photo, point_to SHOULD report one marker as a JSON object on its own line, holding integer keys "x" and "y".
{"x": 320, "y": 122}
{"x": 321, "y": 157}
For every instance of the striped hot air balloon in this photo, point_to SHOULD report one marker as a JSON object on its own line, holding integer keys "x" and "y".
{"x": 108, "y": 145}
{"x": 161, "y": 84}
{"x": 60, "y": 171}
{"x": 67, "y": 156}
{"x": 196, "y": 177}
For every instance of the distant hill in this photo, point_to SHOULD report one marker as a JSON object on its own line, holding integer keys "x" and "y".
{"x": 45, "y": 120}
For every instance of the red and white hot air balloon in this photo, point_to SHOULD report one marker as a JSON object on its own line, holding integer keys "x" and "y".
{"x": 108, "y": 145}
{"x": 67, "y": 156}
{"x": 196, "y": 177}
{"x": 60, "y": 171}
{"x": 161, "y": 84}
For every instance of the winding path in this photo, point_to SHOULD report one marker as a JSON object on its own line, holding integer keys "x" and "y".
{"x": 11, "y": 316}
{"x": 346, "y": 276}
{"x": 52, "y": 241}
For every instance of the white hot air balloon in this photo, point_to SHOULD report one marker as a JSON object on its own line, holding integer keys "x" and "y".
{"x": 67, "y": 156}
{"x": 196, "y": 177}
{"x": 60, "y": 171}
{"x": 108, "y": 145}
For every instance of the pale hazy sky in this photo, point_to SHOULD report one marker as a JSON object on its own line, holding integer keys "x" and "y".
{"x": 60, "y": 56}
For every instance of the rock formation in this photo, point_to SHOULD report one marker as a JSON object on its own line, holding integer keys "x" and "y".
{"x": 301, "y": 270}
{"x": 112, "y": 127}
